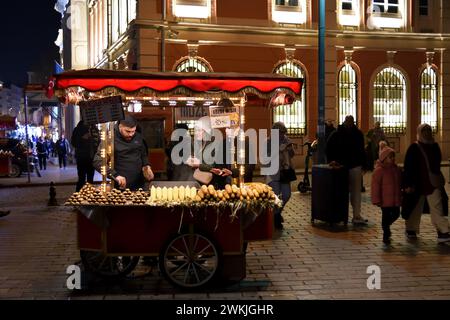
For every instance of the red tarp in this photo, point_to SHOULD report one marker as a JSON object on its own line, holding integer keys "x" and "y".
{"x": 130, "y": 81}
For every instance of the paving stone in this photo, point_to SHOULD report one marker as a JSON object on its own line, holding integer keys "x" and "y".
{"x": 302, "y": 262}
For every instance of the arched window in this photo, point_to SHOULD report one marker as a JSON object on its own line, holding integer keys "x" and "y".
{"x": 293, "y": 115}
{"x": 191, "y": 64}
{"x": 347, "y": 92}
{"x": 428, "y": 98}
{"x": 389, "y": 100}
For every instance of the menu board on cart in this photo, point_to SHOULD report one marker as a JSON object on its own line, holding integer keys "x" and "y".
{"x": 102, "y": 110}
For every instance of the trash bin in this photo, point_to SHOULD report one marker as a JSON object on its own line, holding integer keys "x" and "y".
{"x": 330, "y": 192}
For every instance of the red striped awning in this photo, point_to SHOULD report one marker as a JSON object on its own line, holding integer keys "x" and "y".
{"x": 95, "y": 80}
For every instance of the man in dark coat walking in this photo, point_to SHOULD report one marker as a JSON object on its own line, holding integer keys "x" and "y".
{"x": 345, "y": 147}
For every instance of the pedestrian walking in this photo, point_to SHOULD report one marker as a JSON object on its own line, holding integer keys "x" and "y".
{"x": 281, "y": 180}
{"x": 386, "y": 190}
{"x": 345, "y": 147}
{"x": 42, "y": 151}
{"x": 62, "y": 149}
{"x": 424, "y": 184}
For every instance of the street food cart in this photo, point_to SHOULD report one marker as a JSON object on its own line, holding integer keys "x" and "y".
{"x": 197, "y": 232}
{"x": 6, "y": 123}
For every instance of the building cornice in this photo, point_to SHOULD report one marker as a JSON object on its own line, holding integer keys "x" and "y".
{"x": 190, "y": 26}
{"x": 294, "y": 32}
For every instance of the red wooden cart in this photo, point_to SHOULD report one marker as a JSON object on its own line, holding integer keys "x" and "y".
{"x": 193, "y": 245}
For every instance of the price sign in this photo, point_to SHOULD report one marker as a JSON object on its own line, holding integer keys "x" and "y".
{"x": 220, "y": 122}
{"x": 224, "y": 117}
{"x": 102, "y": 110}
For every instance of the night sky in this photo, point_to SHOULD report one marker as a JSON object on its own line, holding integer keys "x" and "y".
{"x": 28, "y": 30}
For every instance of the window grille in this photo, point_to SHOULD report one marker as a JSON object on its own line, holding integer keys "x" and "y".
{"x": 290, "y": 3}
{"x": 386, "y": 6}
{"x": 390, "y": 100}
{"x": 294, "y": 115}
{"x": 423, "y": 7}
{"x": 347, "y": 92}
{"x": 192, "y": 64}
{"x": 428, "y": 98}
{"x": 347, "y": 5}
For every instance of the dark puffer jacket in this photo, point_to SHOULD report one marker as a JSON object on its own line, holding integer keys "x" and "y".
{"x": 346, "y": 147}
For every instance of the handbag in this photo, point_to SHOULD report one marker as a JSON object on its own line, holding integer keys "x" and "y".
{"x": 287, "y": 175}
{"x": 202, "y": 176}
{"x": 437, "y": 180}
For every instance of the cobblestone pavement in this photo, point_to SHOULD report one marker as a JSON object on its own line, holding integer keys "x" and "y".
{"x": 52, "y": 174}
{"x": 37, "y": 243}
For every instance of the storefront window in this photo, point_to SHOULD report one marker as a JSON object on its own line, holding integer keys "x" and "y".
{"x": 390, "y": 100}
{"x": 293, "y": 115}
{"x": 347, "y": 91}
{"x": 428, "y": 97}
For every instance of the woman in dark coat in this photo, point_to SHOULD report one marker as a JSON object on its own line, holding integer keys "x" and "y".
{"x": 205, "y": 158}
{"x": 423, "y": 181}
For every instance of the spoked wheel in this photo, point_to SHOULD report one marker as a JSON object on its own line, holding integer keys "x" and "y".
{"x": 108, "y": 267}
{"x": 15, "y": 171}
{"x": 190, "y": 260}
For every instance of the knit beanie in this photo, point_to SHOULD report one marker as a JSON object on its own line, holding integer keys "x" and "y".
{"x": 385, "y": 153}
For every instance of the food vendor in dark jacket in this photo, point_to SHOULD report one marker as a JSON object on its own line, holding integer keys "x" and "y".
{"x": 131, "y": 166}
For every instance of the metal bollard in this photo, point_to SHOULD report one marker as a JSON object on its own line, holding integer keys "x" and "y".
{"x": 52, "y": 200}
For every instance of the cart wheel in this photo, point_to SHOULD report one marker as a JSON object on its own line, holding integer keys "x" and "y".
{"x": 108, "y": 267}
{"x": 190, "y": 260}
{"x": 15, "y": 171}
